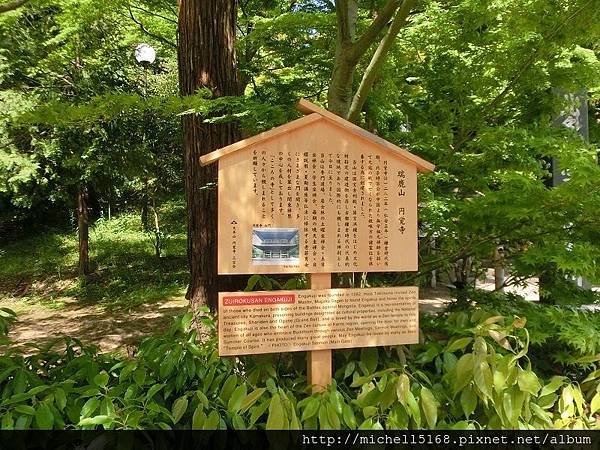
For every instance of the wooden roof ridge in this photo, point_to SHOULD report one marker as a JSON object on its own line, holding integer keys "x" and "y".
{"x": 313, "y": 114}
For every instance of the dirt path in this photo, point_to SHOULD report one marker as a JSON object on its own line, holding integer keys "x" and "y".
{"x": 109, "y": 330}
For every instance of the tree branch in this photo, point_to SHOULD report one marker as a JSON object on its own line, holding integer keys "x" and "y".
{"x": 378, "y": 59}
{"x": 151, "y": 13}
{"x": 11, "y": 6}
{"x": 149, "y": 33}
{"x": 363, "y": 44}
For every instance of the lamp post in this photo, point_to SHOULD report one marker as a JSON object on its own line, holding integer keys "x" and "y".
{"x": 145, "y": 55}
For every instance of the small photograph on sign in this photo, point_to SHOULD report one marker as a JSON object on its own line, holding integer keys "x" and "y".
{"x": 275, "y": 246}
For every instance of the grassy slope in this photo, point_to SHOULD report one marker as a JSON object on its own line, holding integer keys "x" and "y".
{"x": 43, "y": 269}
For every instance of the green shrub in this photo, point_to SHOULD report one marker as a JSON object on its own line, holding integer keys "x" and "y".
{"x": 478, "y": 378}
{"x": 563, "y": 339}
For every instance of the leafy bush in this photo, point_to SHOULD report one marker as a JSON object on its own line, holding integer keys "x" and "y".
{"x": 476, "y": 379}
{"x": 563, "y": 338}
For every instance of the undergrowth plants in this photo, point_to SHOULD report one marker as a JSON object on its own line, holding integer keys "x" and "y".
{"x": 480, "y": 378}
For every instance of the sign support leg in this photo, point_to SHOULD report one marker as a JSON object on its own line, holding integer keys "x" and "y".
{"x": 319, "y": 361}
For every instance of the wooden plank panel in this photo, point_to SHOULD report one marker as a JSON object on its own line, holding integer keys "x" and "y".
{"x": 283, "y": 129}
{"x": 353, "y": 206}
{"x": 307, "y": 107}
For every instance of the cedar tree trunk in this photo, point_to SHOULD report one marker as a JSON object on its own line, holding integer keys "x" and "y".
{"x": 206, "y": 56}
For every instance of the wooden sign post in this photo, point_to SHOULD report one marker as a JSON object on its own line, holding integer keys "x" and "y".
{"x": 318, "y": 195}
{"x": 319, "y": 361}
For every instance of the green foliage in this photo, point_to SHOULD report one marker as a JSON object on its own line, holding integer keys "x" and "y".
{"x": 7, "y": 318}
{"x": 563, "y": 339}
{"x": 126, "y": 272}
{"x": 478, "y": 379}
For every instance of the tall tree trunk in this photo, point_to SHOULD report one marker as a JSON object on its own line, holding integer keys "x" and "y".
{"x": 206, "y": 56}
{"x": 83, "y": 230}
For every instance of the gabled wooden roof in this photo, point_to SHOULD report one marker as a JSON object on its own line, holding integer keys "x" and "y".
{"x": 314, "y": 114}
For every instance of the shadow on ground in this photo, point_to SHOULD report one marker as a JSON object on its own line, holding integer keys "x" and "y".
{"x": 109, "y": 330}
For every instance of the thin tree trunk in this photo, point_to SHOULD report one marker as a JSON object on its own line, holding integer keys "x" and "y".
{"x": 349, "y": 51}
{"x": 206, "y": 56}
{"x": 157, "y": 232}
{"x": 83, "y": 230}
{"x": 378, "y": 59}
{"x": 499, "y": 275}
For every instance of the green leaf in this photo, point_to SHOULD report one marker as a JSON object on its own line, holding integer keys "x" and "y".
{"x": 547, "y": 401}
{"x": 366, "y": 425}
{"x": 369, "y": 356}
{"x": 37, "y": 390}
{"x": 167, "y": 365}
{"x": 212, "y": 422}
{"x": 499, "y": 378}
{"x": 595, "y": 404}
{"x": 403, "y": 388}
{"x": 348, "y": 416}
{"x": 127, "y": 370}
{"x": 258, "y": 411}
{"x": 332, "y": 416}
{"x": 430, "y": 405}
{"x": 464, "y": 371}
{"x": 323, "y": 419}
{"x": 528, "y": 382}
{"x": 312, "y": 407}
{"x": 413, "y": 408}
{"x": 483, "y": 379}
{"x": 555, "y": 383}
{"x": 139, "y": 376}
{"x": 107, "y": 407}
{"x": 198, "y": 419}
{"x": 179, "y": 408}
{"x": 238, "y": 423}
{"x": 101, "y": 380}
{"x": 458, "y": 344}
{"x": 25, "y": 409}
{"x": 276, "y": 419}
{"x": 43, "y": 417}
{"x": 96, "y": 420}
{"x": 468, "y": 401}
{"x": 89, "y": 407}
{"x": 60, "y": 398}
{"x": 203, "y": 399}
{"x": 252, "y": 281}
{"x": 251, "y": 399}
{"x": 7, "y": 422}
{"x": 153, "y": 391}
{"x": 370, "y": 411}
{"x": 236, "y": 399}
{"x": 349, "y": 369}
{"x": 540, "y": 413}
{"x": 336, "y": 400}
{"x": 228, "y": 388}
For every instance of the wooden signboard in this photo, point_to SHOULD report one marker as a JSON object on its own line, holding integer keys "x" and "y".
{"x": 291, "y": 321}
{"x": 317, "y": 195}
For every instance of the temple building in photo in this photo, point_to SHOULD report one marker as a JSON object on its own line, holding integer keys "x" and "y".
{"x": 275, "y": 246}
